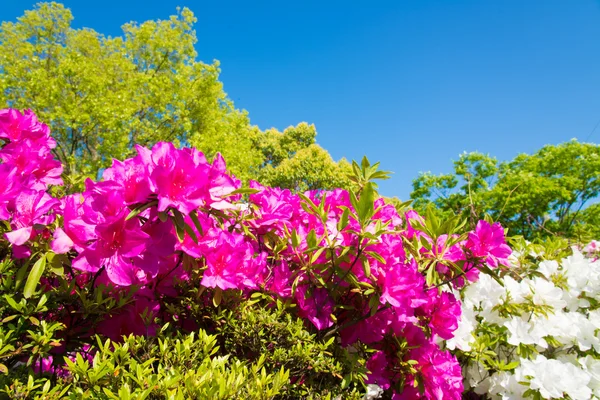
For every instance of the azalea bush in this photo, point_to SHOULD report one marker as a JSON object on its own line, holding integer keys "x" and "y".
{"x": 167, "y": 279}
{"x": 537, "y": 336}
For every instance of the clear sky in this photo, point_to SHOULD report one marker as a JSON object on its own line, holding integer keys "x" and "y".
{"x": 409, "y": 83}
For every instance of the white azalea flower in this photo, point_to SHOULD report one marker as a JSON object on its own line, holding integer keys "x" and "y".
{"x": 545, "y": 293}
{"x": 506, "y": 386}
{"x": 591, "y": 365}
{"x": 373, "y": 392}
{"x": 566, "y": 319}
{"x": 517, "y": 290}
{"x": 548, "y": 268}
{"x": 463, "y": 334}
{"x": 520, "y": 331}
{"x": 553, "y": 378}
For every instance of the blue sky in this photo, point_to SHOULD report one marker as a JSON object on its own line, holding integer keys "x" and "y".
{"x": 409, "y": 83}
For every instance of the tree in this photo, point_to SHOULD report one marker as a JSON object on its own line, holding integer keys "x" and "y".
{"x": 102, "y": 95}
{"x": 293, "y": 160}
{"x": 545, "y": 193}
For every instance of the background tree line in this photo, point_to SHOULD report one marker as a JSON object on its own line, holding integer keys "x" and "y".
{"x": 101, "y": 95}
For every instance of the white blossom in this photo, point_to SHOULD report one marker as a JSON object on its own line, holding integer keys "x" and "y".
{"x": 553, "y": 378}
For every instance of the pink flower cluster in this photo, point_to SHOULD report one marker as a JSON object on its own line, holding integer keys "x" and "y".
{"x": 28, "y": 168}
{"x": 165, "y": 204}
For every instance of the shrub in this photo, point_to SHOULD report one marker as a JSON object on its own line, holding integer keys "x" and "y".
{"x": 538, "y": 335}
{"x": 168, "y": 244}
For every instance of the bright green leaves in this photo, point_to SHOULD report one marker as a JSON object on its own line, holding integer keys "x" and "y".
{"x": 365, "y": 173}
{"x": 34, "y": 276}
{"x": 365, "y": 207}
{"x": 47, "y": 260}
{"x": 179, "y": 366}
{"x": 536, "y": 196}
{"x": 104, "y": 94}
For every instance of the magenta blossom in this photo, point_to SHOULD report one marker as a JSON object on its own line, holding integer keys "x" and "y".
{"x": 230, "y": 262}
{"x": 132, "y": 175}
{"x": 378, "y": 370}
{"x": 315, "y": 305}
{"x": 274, "y": 209}
{"x": 9, "y": 188}
{"x": 119, "y": 249}
{"x": 443, "y": 312}
{"x": 21, "y": 127}
{"x": 178, "y": 178}
{"x": 136, "y": 318}
{"x": 488, "y": 242}
{"x": 441, "y": 373}
{"x": 402, "y": 286}
{"x": 76, "y": 233}
{"x": 31, "y": 208}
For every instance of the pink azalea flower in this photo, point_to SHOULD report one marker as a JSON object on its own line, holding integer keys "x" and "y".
{"x": 315, "y": 306}
{"x": 119, "y": 249}
{"x": 103, "y": 202}
{"x": 411, "y": 232}
{"x": 132, "y": 175}
{"x": 129, "y": 320}
{"x": 18, "y": 127}
{"x": 221, "y": 184}
{"x": 387, "y": 213}
{"x": 230, "y": 262}
{"x": 280, "y": 280}
{"x": 441, "y": 372}
{"x": 488, "y": 241}
{"x": 275, "y": 208}
{"x": 378, "y": 370}
{"x": 178, "y": 178}
{"x": 31, "y": 208}
{"x": 443, "y": 311}
{"x": 402, "y": 286}
{"x": 76, "y": 233}
{"x": 372, "y": 329}
{"x": 9, "y": 188}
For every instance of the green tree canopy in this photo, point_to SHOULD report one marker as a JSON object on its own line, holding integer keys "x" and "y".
{"x": 534, "y": 195}
{"x": 101, "y": 95}
{"x": 293, "y": 160}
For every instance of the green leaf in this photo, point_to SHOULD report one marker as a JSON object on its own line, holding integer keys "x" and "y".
{"x": 163, "y": 216}
{"x": 34, "y": 276}
{"x": 365, "y": 204}
{"x": 311, "y": 239}
{"x": 217, "y": 297}
{"x": 188, "y": 229}
{"x": 196, "y": 221}
{"x": 317, "y": 254}
{"x": 343, "y": 222}
{"x": 180, "y": 232}
{"x": 366, "y": 266}
{"x": 20, "y": 277}
{"x": 295, "y": 239}
{"x": 137, "y": 210}
{"x": 56, "y": 265}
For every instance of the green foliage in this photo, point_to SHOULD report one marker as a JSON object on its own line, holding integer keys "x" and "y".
{"x": 183, "y": 366}
{"x": 318, "y": 366}
{"x": 536, "y": 195}
{"x": 294, "y": 161}
{"x": 256, "y": 351}
{"x": 102, "y": 95}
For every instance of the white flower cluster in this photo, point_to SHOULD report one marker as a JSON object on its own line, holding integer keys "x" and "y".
{"x": 537, "y": 335}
